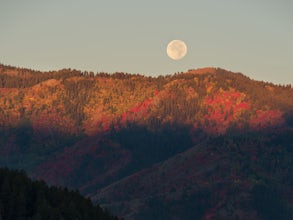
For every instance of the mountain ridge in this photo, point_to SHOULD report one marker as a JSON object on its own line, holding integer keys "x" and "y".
{"x": 94, "y": 132}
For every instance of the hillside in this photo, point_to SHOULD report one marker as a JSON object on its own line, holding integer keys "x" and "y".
{"x": 22, "y": 198}
{"x": 145, "y": 146}
{"x": 227, "y": 177}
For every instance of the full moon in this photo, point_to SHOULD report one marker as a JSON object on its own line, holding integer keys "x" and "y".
{"x": 176, "y": 49}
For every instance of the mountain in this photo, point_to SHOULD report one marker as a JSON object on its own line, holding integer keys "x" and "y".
{"x": 202, "y": 144}
{"x": 22, "y": 198}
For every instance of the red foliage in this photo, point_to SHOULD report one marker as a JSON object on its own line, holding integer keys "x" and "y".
{"x": 138, "y": 111}
{"x": 224, "y": 108}
{"x": 262, "y": 119}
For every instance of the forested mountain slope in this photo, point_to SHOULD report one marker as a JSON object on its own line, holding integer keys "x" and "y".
{"x": 126, "y": 139}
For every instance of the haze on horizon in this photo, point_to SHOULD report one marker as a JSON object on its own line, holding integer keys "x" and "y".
{"x": 252, "y": 37}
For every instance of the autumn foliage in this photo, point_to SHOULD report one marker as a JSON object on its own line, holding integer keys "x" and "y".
{"x": 219, "y": 131}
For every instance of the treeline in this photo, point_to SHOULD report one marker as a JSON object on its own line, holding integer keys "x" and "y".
{"x": 187, "y": 91}
{"x": 184, "y": 103}
{"x": 12, "y": 77}
{"x": 262, "y": 93}
{"x": 22, "y": 198}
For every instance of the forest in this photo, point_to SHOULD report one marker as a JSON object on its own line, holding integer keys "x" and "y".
{"x": 203, "y": 144}
{"x": 22, "y": 198}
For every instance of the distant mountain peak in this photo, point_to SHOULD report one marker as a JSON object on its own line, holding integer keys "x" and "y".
{"x": 205, "y": 70}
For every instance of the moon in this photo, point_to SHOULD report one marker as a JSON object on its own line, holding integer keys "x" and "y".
{"x": 176, "y": 49}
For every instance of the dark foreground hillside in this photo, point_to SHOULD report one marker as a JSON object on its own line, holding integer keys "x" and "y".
{"x": 21, "y": 199}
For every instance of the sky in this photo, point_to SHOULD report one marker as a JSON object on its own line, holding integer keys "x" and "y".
{"x": 254, "y": 37}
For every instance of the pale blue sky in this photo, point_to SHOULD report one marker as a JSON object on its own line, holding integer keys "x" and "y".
{"x": 254, "y": 37}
